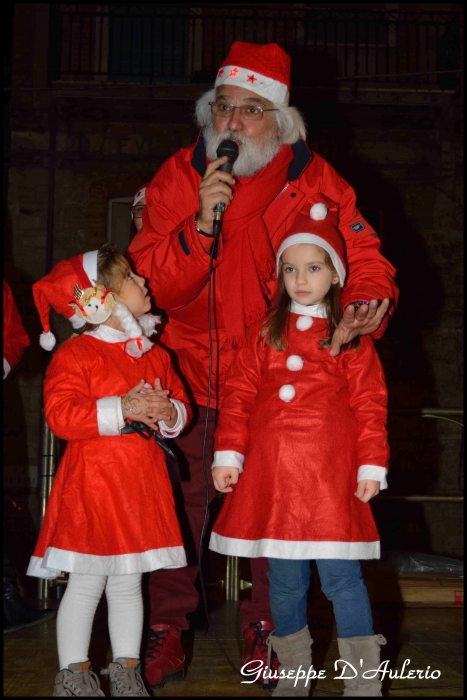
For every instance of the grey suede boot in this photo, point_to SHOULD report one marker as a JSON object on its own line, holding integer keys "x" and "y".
{"x": 77, "y": 680}
{"x": 294, "y": 652}
{"x": 125, "y": 679}
{"x": 364, "y": 654}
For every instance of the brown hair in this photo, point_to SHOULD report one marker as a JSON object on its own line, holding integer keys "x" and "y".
{"x": 275, "y": 327}
{"x": 112, "y": 269}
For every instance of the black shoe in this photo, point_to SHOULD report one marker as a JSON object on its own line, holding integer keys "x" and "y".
{"x": 16, "y": 613}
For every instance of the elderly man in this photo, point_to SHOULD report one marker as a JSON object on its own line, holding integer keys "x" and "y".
{"x": 273, "y": 178}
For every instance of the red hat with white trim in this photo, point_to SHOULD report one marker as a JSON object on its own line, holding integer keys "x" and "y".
{"x": 318, "y": 226}
{"x": 70, "y": 288}
{"x": 141, "y": 194}
{"x": 261, "y": 68}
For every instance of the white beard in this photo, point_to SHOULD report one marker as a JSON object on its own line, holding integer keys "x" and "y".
{"x": 253, "y": 155}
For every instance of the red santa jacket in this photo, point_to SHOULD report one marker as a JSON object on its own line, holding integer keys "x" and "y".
{"x": 15, "y": 338}
{"x": 305, "y": 427}
{"x": 168, "y": 251}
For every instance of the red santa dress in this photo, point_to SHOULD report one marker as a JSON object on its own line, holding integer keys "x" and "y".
{"x": 111, "y": 509}
{"x": 15, "y": 338}
{"x": 305, "y": 427}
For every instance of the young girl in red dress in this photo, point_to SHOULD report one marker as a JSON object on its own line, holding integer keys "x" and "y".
{"x": 111, "y": 515}
{"x": 301, "y": 446}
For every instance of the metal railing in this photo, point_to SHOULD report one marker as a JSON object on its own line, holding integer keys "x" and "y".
{"x": 187, "y": 43}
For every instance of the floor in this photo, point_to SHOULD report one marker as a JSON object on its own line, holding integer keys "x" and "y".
{"x": 429, "y": 638}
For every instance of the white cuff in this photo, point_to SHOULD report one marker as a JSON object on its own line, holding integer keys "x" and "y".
{"x": 368, "y": 471}
{"x": 228, "y": 458}
{"x": 182, "y": 418}
{"x": 6, "y": 368}
{"x": 109, "y": 416}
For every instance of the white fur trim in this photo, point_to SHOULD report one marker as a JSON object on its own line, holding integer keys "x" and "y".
{"x": 133, "y": 330}
{"x": 77, "y": 321}
{"x": 56, "y": 561}
{"x": 369, "y": 471}
{"x": 109, "y": 415}
{"x": 133, "y": 349}
{"x": 139, "y": 195}
{"x": 317, "y": 310}
{"x": 292, "y": 549}
{"x": 127, "y": 321}
{"x": 90, "y": 266}
{"x": 6, "y": 368}
{"x": 148, "y": 323}
{"x": 271, "y": 89}
{"x": 313, "y": 239}
{"x": 304, "y": 323}
{"x": 295, "y": 363}
{"x": 287, "y": 392}
{"x": 47, "y": 340}
{"x": 318, "y": 211}
{"x": 182, "y": 417}
{"x": 228, "y": 458}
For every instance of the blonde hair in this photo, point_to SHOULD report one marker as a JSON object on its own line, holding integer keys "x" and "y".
{"x": 112, "y": 267}
{"x": 112, "y": 270}
{"x": 275, "y": 327}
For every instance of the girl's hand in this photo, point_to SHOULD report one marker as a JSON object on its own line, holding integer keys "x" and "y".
{"x": 148, "y": 406}
{"x": 223, "y": 477}
{"x": 366, "y": 489}
{"x": 165, "y": 410}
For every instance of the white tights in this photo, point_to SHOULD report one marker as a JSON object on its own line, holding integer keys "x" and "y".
{"x": 78, "y": 607}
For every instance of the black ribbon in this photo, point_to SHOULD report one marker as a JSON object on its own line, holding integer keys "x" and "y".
{"x": 173, "y": 467}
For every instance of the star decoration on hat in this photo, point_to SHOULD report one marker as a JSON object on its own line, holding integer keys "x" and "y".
{"x": 233, "y": 72}
{"x": 251, "y": 78}
{"x": 221, "y": 73}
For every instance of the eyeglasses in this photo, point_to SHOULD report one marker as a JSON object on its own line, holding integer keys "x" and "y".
{"x": 253, "y": 112}
{"x": 138, "y": 210}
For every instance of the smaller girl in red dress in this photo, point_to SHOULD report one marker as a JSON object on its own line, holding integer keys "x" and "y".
{"x": 301, "y": 446}
{"x": 113, "y": 396}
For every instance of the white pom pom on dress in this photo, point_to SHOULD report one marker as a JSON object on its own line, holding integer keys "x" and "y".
{"x": 295, "y": 363}
{"x": 304, "y": 323}
{"x": 287, "y": 392}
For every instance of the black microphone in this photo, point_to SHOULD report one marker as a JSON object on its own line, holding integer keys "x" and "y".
{"x": 230, "y": 149}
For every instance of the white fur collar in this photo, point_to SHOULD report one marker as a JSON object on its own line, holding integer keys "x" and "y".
{"x": 136, "y": 335}
{"x": 108, "y": 334}
{"x": 316, "y": 310}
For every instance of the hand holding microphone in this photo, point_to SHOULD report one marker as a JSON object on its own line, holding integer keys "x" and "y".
{"x": 215, "y": 190}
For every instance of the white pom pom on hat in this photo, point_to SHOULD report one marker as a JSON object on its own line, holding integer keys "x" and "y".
{"x": 47, "y": 341}
{"x": 318, "y": 211}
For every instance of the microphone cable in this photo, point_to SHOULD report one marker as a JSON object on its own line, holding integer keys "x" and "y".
{"x": 213, "y": 255}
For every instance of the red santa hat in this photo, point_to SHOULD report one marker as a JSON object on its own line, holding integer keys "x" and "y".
{"x": 64, "y": 287}
{"x": 261, "y": 68}
{"x": 318, "y": 226}
{"x": 57, "y": 290}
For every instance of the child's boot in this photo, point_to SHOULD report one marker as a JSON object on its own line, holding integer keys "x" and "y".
{"x": 364, "y": 654}
{"x": 294, "y": 652}
{"x": 77, "y": 680}
{"x": 125, "y": 679}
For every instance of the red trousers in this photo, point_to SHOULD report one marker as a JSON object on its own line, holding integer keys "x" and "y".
{"x": 172, "y": 591}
